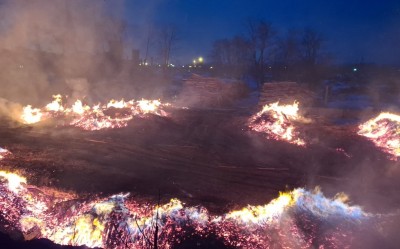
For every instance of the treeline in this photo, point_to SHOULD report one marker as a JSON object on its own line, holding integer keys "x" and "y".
{"x": 264, "y": 54}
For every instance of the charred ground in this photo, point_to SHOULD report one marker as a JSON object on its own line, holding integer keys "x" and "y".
{"x": 204, "y": 157}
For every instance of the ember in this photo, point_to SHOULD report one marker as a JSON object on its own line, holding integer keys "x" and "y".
{"x": 384, "y": 131}
{"x": 119, "y": 221}
{"x": 3, "y": 153}
{"x": 277, "y": 122}
{"x": 96, "y": 117}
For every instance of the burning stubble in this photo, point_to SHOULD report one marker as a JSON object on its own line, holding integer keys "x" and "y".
{"x": 75, "y": 48}
{"x": 120, "y": 221}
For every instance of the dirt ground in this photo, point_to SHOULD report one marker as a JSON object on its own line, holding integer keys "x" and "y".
{"x": 203, "y": 157}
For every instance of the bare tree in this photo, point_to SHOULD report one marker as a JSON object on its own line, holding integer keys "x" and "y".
{"x": 260, "y": 35}
{"x": 311, "y": 46}
{"x": 232, "y": 55}
{"x": 149, "y": 43}
{"x": 220, "y": 52}
{"x": 289, "y": 49}
{"x": 167, "y": 43}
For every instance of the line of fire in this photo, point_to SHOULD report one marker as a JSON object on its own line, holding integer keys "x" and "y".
{"x": 108, "y": 142}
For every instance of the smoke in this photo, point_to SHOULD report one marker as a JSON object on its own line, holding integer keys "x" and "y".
{"x": 9, "y": 109}
{"x": 59, "y": 46}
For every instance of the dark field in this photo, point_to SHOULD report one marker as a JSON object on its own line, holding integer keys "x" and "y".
{"x": 203, "y": 157}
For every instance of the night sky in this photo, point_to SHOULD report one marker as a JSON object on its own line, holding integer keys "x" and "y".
{"x": 354, "y": 31}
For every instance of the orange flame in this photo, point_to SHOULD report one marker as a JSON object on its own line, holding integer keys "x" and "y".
{"x": 276, "y": 121}
{"x": 93, "y": 118}
{"x": 384, "y": 131}
{"x": 14, "y": 181}
{"x": 267, "y": 213}
{"x": 114, "y": 221}
{"x": 31, "y": 115}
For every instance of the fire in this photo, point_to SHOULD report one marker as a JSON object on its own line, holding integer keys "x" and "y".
{"x": 31, "y": 115}
{"x": 384, "y": 131}
{"x": 148, "y": 106}
{"x": 277, "y": 122}
{"x": 118, "y": 104}
{"x": 79, "y": 108}
{"x": 14, "y": 181}
{"x": 120, "y": 222}
{"x": 114, "y": 114}
{"x": 3, "y": 153}
{"x": 56, "y": 105}
{"x": 267, "y": 213}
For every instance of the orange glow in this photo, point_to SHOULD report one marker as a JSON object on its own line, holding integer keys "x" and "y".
{"x": 119, "y": 220}
{"x": 14, "y": 181}
{"x": 277, "y": 122}
{"x": 384, "y": 131}
{"x": 31, "y": 115}
{"x": 56, "y": 105}
{"x": 94, "y": 118}
{"x": 267, "y": 213}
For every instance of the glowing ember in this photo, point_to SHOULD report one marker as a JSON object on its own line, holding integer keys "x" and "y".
{"x": 14, "y": 181}
{"x": 384, "y": 131}
{"x": 114, "y": 114}
{"x": 3, "y": 153}
{"x": 120, "y": 222}
{"x": 277, "y": 122}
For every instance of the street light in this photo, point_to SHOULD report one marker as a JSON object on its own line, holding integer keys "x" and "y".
{"x": 200, "y": 59}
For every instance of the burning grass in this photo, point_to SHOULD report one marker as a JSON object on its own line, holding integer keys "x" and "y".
{"x": 295, "y": 219}
{"x": 119, "y": 221}
{"x": 114, "y": 114}
{"x": 384, "y": 132}
{"x": 278, "y": 122}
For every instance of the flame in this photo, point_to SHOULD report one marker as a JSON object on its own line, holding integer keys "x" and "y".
{"x": 269, "y": 212}
{"x": 95, "y": 117}
{"x": 56, "y": 105}
{"x": 14, "y": 181}
{"x": 148, "y": 106}
{"x": 79, "y": 108}
{"x": 276, "y": 121}
{"x": 384, "y": 131}
{"x": 120, "y": 222}
{"x": 117, "y": 104}
{"x": 31, "y": 115}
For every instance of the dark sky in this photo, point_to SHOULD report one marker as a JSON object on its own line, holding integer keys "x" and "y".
{"x": 353, "y": 30}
